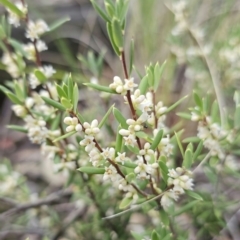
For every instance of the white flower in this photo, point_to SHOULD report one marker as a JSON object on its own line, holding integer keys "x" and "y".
{"x": 194, "y": 116}
{"x": 35, "y": 29}
{"x": 73, "y": 124}
{"x": 30, "y": 49}
{"x": 13, "y": 18}
{"x": 129, "y": 84}
{"x": 121, "y": 157}
{"x": 167, "y": 199}
{"x": 142, "y": 170}
{"x": 130, "y": 140}
{"x": 10, "y": 61}
{"x": 160, "y": 109}
{"x": 91, "y": 129}
{"x": 88, "y": 143}
{"x": 108, "y": 153}
{"x": 95, "y": 156}
{"x": 110, "y": 173}
{"x": 29, "y": 102}
{"x": 19, "y": 110}
{"x": 117, "y": 85}
{"x": 49, "y": 151}
{"x": 147, "y": 152}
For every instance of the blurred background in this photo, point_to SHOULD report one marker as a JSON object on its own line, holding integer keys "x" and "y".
{"x": 200, "y": 39}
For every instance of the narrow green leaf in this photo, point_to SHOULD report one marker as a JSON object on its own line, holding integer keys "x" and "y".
{"x": 12, "y": 7}
{"x": 110, "y": 34}
{"x": 157, "y": 139}
{"x": 70, "y": 88}
{"x": 53, "y": 103}
{"x": 164, "y": 218}
{"x": 175, "y": 105}
{"x": 40, "y": 76}
{"x": 125, "y": 202}
{"x": 17, "y": 128}
{"x": 4, "y": 89}
{"x": 143, "y": 86}
{"x": 198, "y": 100}
{"x": 17, "y": 46}
{"x": 179, "y": 144}
{"x": 18, "y": 91}
{"x": 133, "y": 149}
{"x": 75, "y": 97}
{"x": 198, "y": 151}
{"x": 131, "y": 56}
{"x": 150, "y": 73}
{"x": 110, "y": 9}
{"x": 120, "y": 118}
{"x": 91, "y": 170}
{"x": 215, "y": 112}
{"x": 118, "y": 144}
{"x": 117, "y": 33}
{"x": 194, "y": 195}
{"x": 14, "y": 98}
{"x": 237, "y": 117}
{"x": 58, "y": 23}
{"x": 130, "y": 177}
{"x": 184, "y": 115}
{"x": 187, "y": 162}
{"x": 106, "y": 116}
{"x": 100, "y": 88}
{"x": 66, "y": 103}
{"x": 64, "y": 136}
{"x": 56, "y": 121}
{"x": 98, "y": 9}
{"x": 158, "y": 71}
{"x": 128, "y": 164}
{"x": 60, "y": 91}
{"x": 155, "y": 235}
{"x": 185, "y": 208}
{"x": 163, "y": 169}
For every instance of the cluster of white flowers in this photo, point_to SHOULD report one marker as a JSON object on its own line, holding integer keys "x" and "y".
{"x": 48, "y": 72}
{"x": 73, "y": 124}
{"x": 12, "y": 64}
{"x": 180, "y": 180}
{"x": 121, "y": 88}
{"x": 30, "y": 50}
{"x": 37, "y": 131}
{"x": 36, "y": 29}
{"x": 13, "y": 18}
{"x": 212, "y": 134}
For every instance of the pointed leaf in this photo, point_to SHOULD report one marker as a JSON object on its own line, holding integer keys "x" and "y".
{"x": 198, "y": 100}
{"x": 187, "y": 162}
{"x": 143, "y": 86}
{"x": 179, "y": 144}
{"x": 17, "y": 128}
{"x": 14, "y": 98}
{"x": 75, "y": 97}
{"x": 198, "y": 151}
{"x": 58, "y": 23}
{"x": 118, "y": 145}
{"x": 163, "y": 169}
{"x": 158, "y": 71}
{"x": 98, "y": 9}
{"x": 12, "y": 7}
{"x": 110, "y": 34}
{"x": 100, "y": 88}
{"x": 117, "y": 34}
{"x": 106, "y": 116}
{"x": 66, "y": 103}
{"x": 194, "y": 195}
{"x": 157, "y": 139}
{"x": 125, "y": 202}
{"x": 60, "y": 91}
{"x": 120, "y": 118}
{"x": 155, "y": 235}
{"x": 53, "y": 103}
{"x": 92, "y": 170}
{"x": 130, "y": 177}
{"x": 40, "y": 76}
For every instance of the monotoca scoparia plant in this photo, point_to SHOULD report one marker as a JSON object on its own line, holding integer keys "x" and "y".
{"x": 143, "y": 162}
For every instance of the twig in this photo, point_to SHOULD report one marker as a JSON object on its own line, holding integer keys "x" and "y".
{"x": 51, "y": 199}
